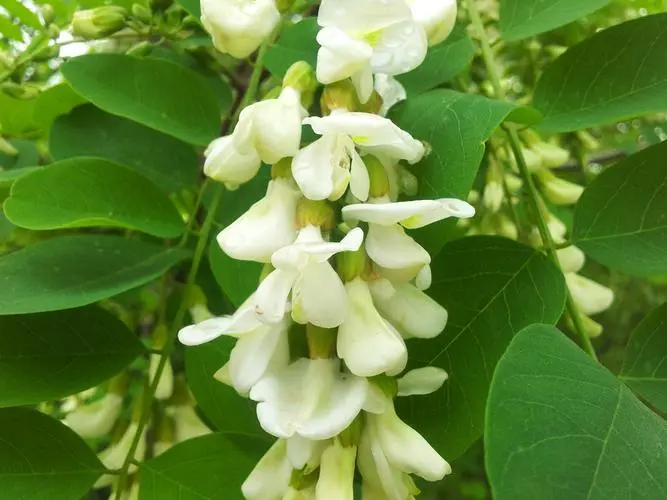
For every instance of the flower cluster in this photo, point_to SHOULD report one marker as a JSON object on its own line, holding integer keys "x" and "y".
{"x": 342, "y": 277}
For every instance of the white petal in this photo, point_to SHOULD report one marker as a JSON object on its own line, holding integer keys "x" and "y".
{"x": 320, "y": 295}
{"x": 340, "y": 56}
{"x": 95, "y": 419}
{"x": 411, "y": 311}
{"x": 424, "y": 278}
{"x": 391, "y": 91}
{"x": 368, "y": 344}
{"x": 406, "y": 449}
{"x": 310, "y": 398}
{"x": 437, "y": 17}
{"x": 226, "y": 164}
{"x": 267, "y": 226}
{"x": 313, "y": 167}
{"x": 591, "y": 297}
{"x": 421, "y": 381}
{"x": 302, "y": 252}
{"x": 299, "y": 451}
{"x": 270, "y": 478}
{"x": 360, "y": 180}
{"x": 336, "y": 478}
{"x": 380, "y": 479}
{"x": 362, "y": 17}
{"x": 391, "y": 248}
{"x": 571, "y": 259}
{"x": 251, "y": 356}
{"x": 271, "y": 296}
{"x": 242, "y": 321}
{"x": 401, "y": 48}
{"x": 165, "y": 386}
{"x": 363, "y": 84}
{"x": 410, "y": 214}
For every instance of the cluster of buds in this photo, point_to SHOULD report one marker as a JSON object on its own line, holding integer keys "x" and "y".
{"x": 321, "y": 343}
{"x": 502, "y": 191}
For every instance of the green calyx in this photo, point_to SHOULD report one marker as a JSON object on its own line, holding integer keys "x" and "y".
{"x": 301, "y": 77}
{"x": 388, "y": 385}
{"x": 318, "y": 213}
{"x": 379, "y": 182}
{"x": 339, "y": 95}
{"x": 351, "y": 265}
{"x": 351, "y": 436}
{"x": 282, "y": 169}
{"x": 321, "y": 341}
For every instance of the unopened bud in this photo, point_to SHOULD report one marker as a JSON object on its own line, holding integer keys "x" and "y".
{"x": 533, "y": 160}
{"x": 339, "y": 95}
{"x": 316, "y": 213}
{"x": 282, "y": 169}
{"x": 301, "y": 76}
{"x": 141, "y": 13}
{"x": 379, "y": 182}
{"x": 99, "y": 22}
{"x": 20, "y": 91}
{"x": 588, "y": 141}
{"x": 54, "y": 31}
{"x": 506, "y": 227}
{"x": 591, "y": 327}
{"x": 559, "y": 191}
{"x": 552, "y": 155}
{"x": 48, "y": 14}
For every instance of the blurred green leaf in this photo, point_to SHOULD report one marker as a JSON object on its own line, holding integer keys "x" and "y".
{"x": 42, "y": 459}
{"x": 73, "y": 271}
{"x": 21, "y": 12}
{"x": 16, "y": 116}
{"x": 52, "y": 355}
{"x": 492, "y": 287}
{"x": 85, "y": 192}
{"x": 645, "y": 364}
{"x": 159, "y": 94}
{"x": 621, "y": 219}
{"x": 9, "y": 29}
{"x": 53, "y": 102}
{"x": 296, "y": 43}
{"x": 456, "y": 126}
{"x": 28, "y": 156}
{"x": 208, "y": 467}
{"x": 618, "y": 73}
{"x": 560, "y": 426}
{"x": 89, "y": 131}
{"x": 523, "y": 18}
{"x": 8, "y": 177}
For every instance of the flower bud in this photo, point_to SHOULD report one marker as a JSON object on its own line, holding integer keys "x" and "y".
{"x": 48, "y": 14}
{"x": 379, "y": 182}
{"x": 99, "y": 22}
{"x": 559, "y": 191}
{"x": 54, "y": 31}
{"x": 339, "y": 95}
{"x": 301, "y": 77}
{"x": 552, "y": 155}
{"x": 141, "y": 13}
{"x": 315, "y": 213}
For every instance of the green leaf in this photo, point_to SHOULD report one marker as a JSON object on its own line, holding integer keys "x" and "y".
{"x": 52, "y": 355}
{"x": 19, "y": 11}
{"x": 53, "y": 102}
{"x": 73, "y": 271}
{"x": 42, "y": 459}
{"x": 89, "y": 131}
{"x": 9, "y": 177}
{"x": 456, "y": 126}
{"x": 645, "y": 364}
{"x": 523, "y": 18}
{"x": 157, "y": 93}
{"x": 443, "y": 62}
{"x": 618, "y": 73}
{"x": 621, "y": 219}
{"x": 296, "y": 43}
{"x": 9, "y": 29}
{"x": 192, "y": 7}
{"x": 491, "y": 287}
{"x": 16, "y": 117}
{"x": 208, "y": 467}
{"x": 222, "y": 405}
{"x": 560, "y": 426}
{"x": 85, "y": 192}
{"x": 28, "y": 156}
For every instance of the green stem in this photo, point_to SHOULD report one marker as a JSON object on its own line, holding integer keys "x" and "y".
{"x": 533, "y": 195}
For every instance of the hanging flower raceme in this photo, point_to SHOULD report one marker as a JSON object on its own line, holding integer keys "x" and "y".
{"x": 326, "y": 167}
{"x": 238, "y": 27}
{"x": 359, "y": 39}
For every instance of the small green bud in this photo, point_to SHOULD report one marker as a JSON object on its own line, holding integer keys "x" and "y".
{"x": 21, "y": 91}
{"x": 300, "y": 76}
{"x": 592, "y": 328}
{"x": 315, "y": 213}
{"x": 54, "y": 31}
{"x": 339, "y": 95}
{"x": 321, "y": 341}
{"x": 99, "y": 22}
{"x": 351, "y": 265}
{"x": 282, "y": 169}
{"x": 48, "y": 13}
{"x": 141, "y": 13}
{"x": 378, "y": 177}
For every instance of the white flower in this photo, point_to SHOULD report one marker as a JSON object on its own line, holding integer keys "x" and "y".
{"x": 404, "y": 448}
{"x": 336, "y": 478}
{"x": 591, "y": 297}
{"x": 437, "y": 17}
{"x": 318, "y": 295}
{"x": 267, "y": 226}
{"x": 368, "y": 343}
{"x": 311, "y": 398}
{"x": 238, "y": 27}
{"x": 571, "y": 259}
{"x": 559, "y": 191}
{"x": 391, "y": 91}
{"x": 114, "y": 456}
{"x": 95, "y": 419}
{"x": 270, "y": 478}
{"x": 227, "y": 165}
{"x": 165, "y": 386}
{"x": 260, "y": 348}
{"x": 421, "y": 381}
{"x": 409, "y": 214}
{"x": 271, "y": 127}
{"x": 358, "y": 39}
{"x": 187, "y": 423}
{"x": 411, "y": 311}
